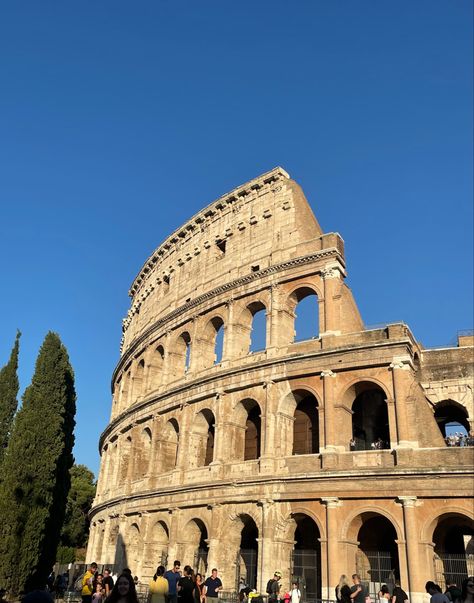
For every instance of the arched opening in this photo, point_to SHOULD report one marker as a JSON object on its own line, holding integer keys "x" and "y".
{"x": 377, "y": 554}
{"x": 159, "y": 544}
{"x": 138, "y": 380}
{"x": 196, "y": 545}
{"x": 134, "y": 548}
{"x": 306, "y": 424}
{"x": 453, "y": 538}
{"x": 203, "y": 438}
{"x": 258, "y": 332}
{"x": 143, "y": 454}
{"x": 124, "y": 394}
{"x": 306, "y": 558}
{"x": 218, "y": 325}
{"x": 248, "y": 552}
{"x": 306, "y": 309}
{"x": 155, "y": 370}
{"x": 126, "y": 450}
{"x": 370, "y": 429}
{"x": 187, "y": 354}
{"x": 169, "y": 445}
{"x": 452, "y": 420}
{"x": 252, "y": 432}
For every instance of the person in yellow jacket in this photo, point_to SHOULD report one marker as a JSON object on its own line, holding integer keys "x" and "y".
{"x": 88, "y": 583}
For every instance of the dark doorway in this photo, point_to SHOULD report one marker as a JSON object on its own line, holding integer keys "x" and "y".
{"x": 370, "y": 420}
{"x": 306, "y": 558}
{"x": 306, "y": 426}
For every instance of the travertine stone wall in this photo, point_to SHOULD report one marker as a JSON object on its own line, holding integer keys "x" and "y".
{"x": 211, "y": 453}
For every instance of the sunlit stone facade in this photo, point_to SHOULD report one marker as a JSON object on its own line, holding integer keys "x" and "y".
{"x": 223, "y": 455}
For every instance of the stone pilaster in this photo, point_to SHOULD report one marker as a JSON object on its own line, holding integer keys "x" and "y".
{"x": 329, "y": 379}
{"x": 400, "y": 370}
{"x": 415, "y": 582}
{"x": 332, "y": 546}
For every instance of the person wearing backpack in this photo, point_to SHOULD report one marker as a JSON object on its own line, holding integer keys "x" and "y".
{"x": 273, "y": 587}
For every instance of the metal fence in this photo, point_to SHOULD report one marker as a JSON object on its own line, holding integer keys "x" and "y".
{"x": 306, "y": 571}
{"x": 376, "y": 568}
{"x": 452, "y": 568}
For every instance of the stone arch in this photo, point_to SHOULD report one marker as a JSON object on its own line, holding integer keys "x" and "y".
{"x": 306, "y": 553}
{"x": 211, "y": 342}
{"x": 248, "y": 430}
{"x": 126, "y": 386}
{"x": 251, "y": 328}
{"x": 286, "y": 526}
{"x": 133, "y": 547}
{"x": 125, "y": 458}
{"x": 453, "y": 547}
{"x": 169, "y": 445}
{"x": 138, "y": 380}
{"x": 143, "y": 453}
{"x": 372, "y": 538}
{"x": 367, "y": 400}
{"x": 306, "y": 321}
{"x": 306, "y": 422}
{"x": 449, "y": 413}
{"x": 155, "y": 367}
{"x": 180, "y": 355}
{"x": 159, "y": 543}
{"x": 196, "y": 543}
{"x": 348, "y": 524}
{"x": 202, "y": 439}
{"x": 243, "y": 538}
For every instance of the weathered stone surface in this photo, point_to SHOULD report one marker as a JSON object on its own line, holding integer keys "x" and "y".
{"x": 199, "y": 456}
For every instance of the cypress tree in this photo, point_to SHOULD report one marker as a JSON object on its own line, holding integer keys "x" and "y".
{"x": 36, "y": 472}
{"x": 9, "y": 386}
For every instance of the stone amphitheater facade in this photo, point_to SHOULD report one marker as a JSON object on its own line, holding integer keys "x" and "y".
{"x": 226, "y": 456}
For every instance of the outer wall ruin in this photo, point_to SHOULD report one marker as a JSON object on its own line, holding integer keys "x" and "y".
{"x": 219, "y": 454}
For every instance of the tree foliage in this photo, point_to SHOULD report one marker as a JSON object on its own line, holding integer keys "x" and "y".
{"x": 36, "y": 476}
{"x": 81, "y": 494}
{"x": 9, "y": 386}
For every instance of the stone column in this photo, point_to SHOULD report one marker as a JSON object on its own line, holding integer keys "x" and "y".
{"x": 332, "y": 546}
{"x": 174, "y": 548}
{"x": 331, "y": 275}
{"x": 227, "y": 348}
{"x": 399, "y": 370}
{"x": 213, "y": 542}
{"x": 184, "y": 437}
{"x": 267, "y": 456}
{"x": 265, "y": 543}
{"x": 414, "y": 587}
{"x": 329, "y": 379}
{"x": 220, "y": 441}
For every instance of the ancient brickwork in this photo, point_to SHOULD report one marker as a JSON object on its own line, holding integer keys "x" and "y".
{"x": 241, "y": 458}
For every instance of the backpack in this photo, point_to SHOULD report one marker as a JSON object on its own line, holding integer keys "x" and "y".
{"x": 269, "y": 586}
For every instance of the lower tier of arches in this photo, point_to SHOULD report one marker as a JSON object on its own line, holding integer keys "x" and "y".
{"x": 312, "y": 541}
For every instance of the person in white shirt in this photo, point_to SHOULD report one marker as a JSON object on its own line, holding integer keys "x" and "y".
{"x": 295, "y": 593}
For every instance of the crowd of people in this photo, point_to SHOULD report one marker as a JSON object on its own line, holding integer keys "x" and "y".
{"x": 170, "y": 586}
{"x": 459, "y": 439}
{"x": 357, "y": 592}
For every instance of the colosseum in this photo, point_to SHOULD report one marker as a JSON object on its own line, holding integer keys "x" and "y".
{"x": 244, "y": 439}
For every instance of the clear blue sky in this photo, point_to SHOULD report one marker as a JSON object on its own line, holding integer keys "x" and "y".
{"x": 120, "y": 120}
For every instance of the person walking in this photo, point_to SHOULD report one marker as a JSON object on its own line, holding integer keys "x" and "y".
{"x": 399, "y": 595}
{"x": 467, "y": 590}
{"x": 186, "y": 586}
{"x": 295, "y": 593}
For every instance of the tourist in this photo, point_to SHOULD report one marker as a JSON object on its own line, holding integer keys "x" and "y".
{"x": 124, "y": 590}
{"x": 173, "y": 575}
{"x": 453, "y": 592}
{"x": 273, "y": 587}
{"x": 198, "y": 584}
{"x": 343, "y": 590}
{"x": 399, "y": 595}
{"x": 186, "y": 586}
{"x": 98, "y": 594}
{"x": 158, "y": 586}
{"x": 212, "y": 586}
{"x": 384, "y": 594}
{"x": 295, "y": 593}
{"x": 467, "y": 590}
{"x": 108, "y": 582}
{"x": 435, "y": 592}
{"x": 358, "y": 592}
{"x": 88, "y": 584}
{"x": 352, "y": 444}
